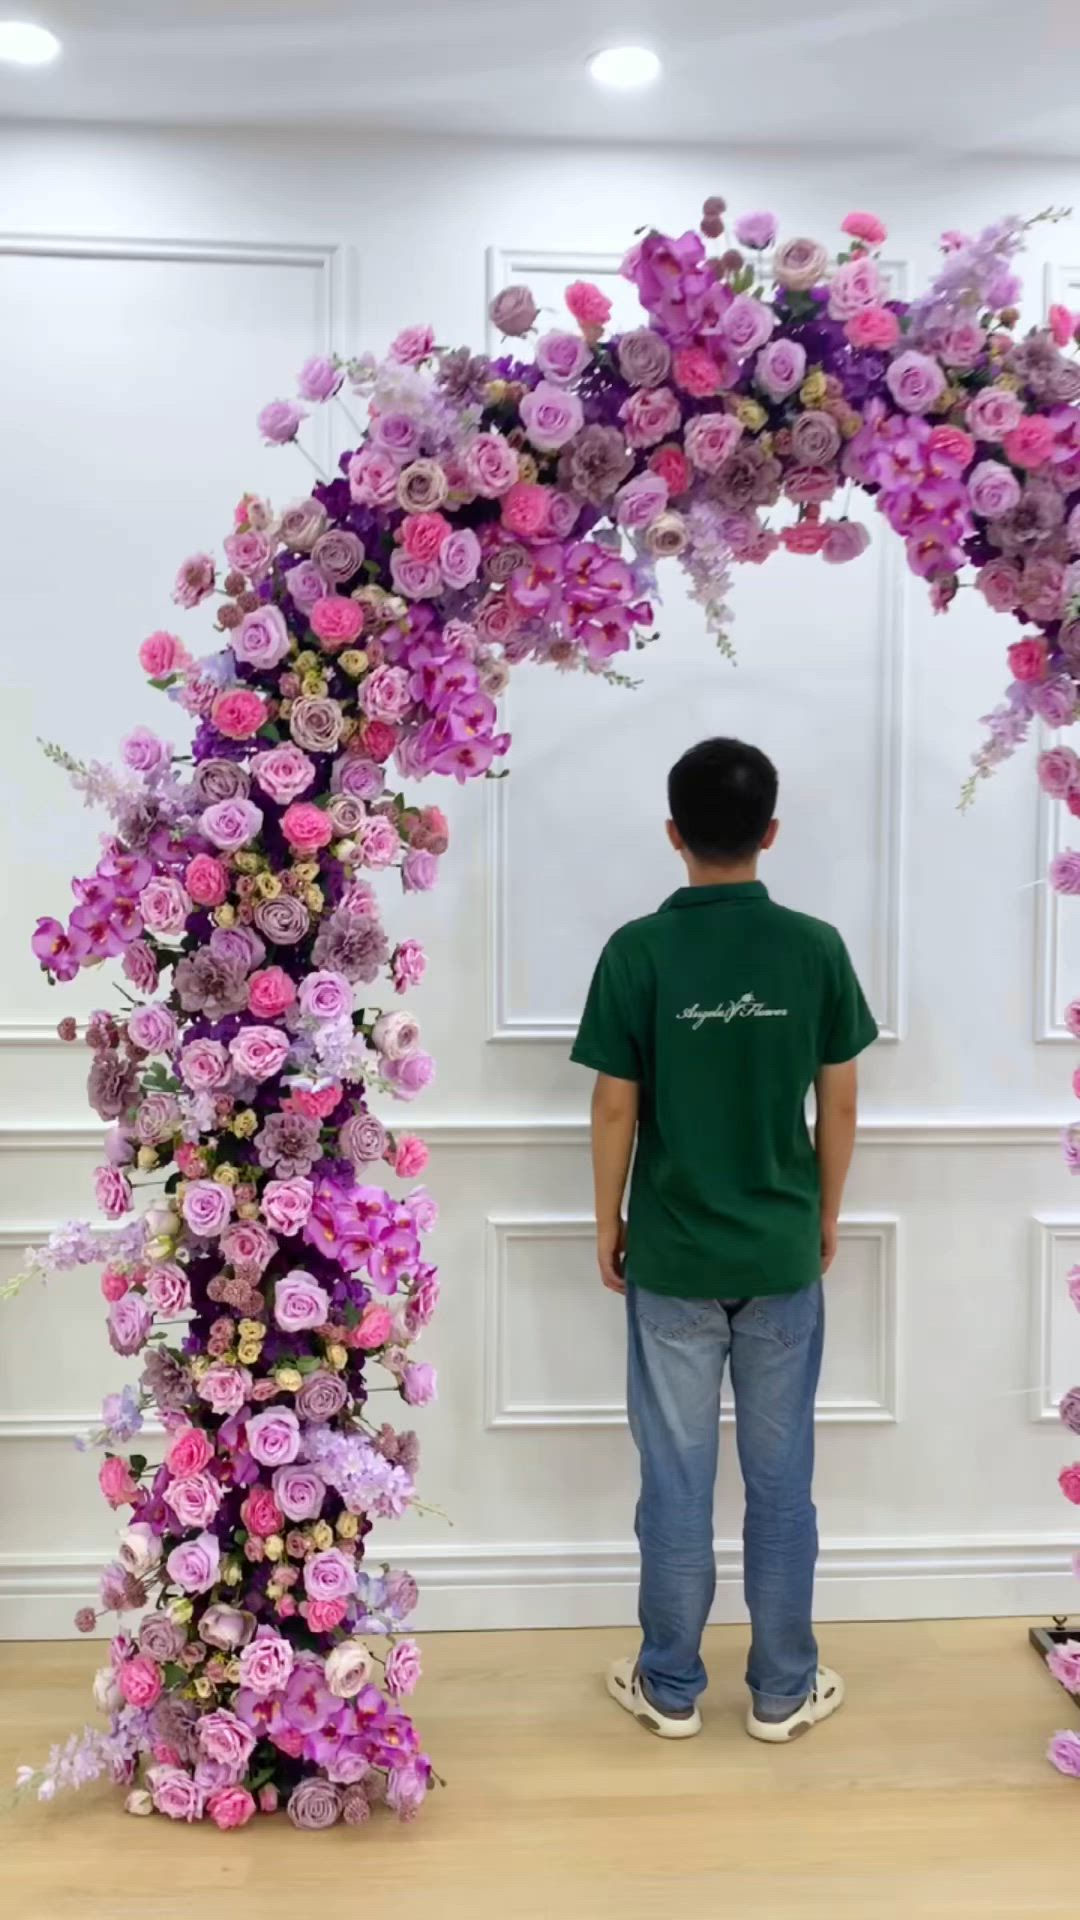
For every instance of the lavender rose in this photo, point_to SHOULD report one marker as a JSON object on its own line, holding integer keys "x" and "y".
{"x": 262, "y": 638}
{"x": 130, "y": 1321}
{"x": 915, "y": 381}
{"x": 206, "y": 1208}
{"x": 644, "y": 358}
{"x": 561, "y": 357}
{"x": 266, "y": 1663}
{"x": 284, "y": 921}
{"x": 329, "y": 1576}
{"x": 321, "y": 1397}
{"x": 283, "y": 772}
{"x": 299, "y": 1302}
{"x": 194, "y": 1565}
{"x": 780, "y": 368}
{"x": 550, "y": 416}
{"x": 314, "y": 1804}
{"x": 299, "y": 1491}
{"x": 273, "y": 1436}
{"x": 157, "y": 1118}
{"x": 326, "y": 995}
{"x": 315, "y": 723}
{"x": 302, "y": 524}
{"x": 230, "y": 824}
{"x": 514, "y": 311}
{"x": 338, "y": 554}
{"x": 152, "y": 1029}
{"x": 306, "y": 583}
{"x": 993, "y": 489}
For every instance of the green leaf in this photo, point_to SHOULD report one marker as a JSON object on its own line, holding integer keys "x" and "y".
{"x": 137, "y": 1463}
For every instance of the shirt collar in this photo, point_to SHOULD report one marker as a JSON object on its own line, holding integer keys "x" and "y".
{"x": 740, "y": 891}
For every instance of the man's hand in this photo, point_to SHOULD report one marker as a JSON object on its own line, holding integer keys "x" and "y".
{"x": 611, "y": 1255}
{"x": 828, "y": 1242}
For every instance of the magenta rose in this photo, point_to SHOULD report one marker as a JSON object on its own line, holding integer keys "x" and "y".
{"x": 194, "y": 1565}
{"x": 286, "y": 1204}
{"x": 164, "y": 906}
{"x": 266, "y": 1663}
{"x": 224, "y": 1388}
{"x": 711, "y": 438}
{"x": 229, "y": 1807}
{"x": 326, "y": 996}
{"x": 195, "y": 1499}
{"x": 231, "y": 824}
{"x": 550, "y": 416}
{"x": 561, "y": 357}
{"x": 993, "y": 489}
{"x": 130, "y": 1321}
{"x": 152, "y": 1028}
{"x": 206, "y": 1207}
{"x": 273, "y": 1436}
{"x": 300, "y": 1302}
{"x": 329, "y": 1576}
{"x": 259, "y": 1052}
{"x": 299, "y": 1491}
{"x": 270, "y": 993}
{"x": 262, "y": 638}
{"x": 780, "y": 368}
{"x": 915, "y": 381}
{"x": 204, "y": 1064}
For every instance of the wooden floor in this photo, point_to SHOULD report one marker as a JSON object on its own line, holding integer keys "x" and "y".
{"x": 928, "y": 1796}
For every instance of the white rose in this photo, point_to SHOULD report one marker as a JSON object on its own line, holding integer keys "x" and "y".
{"x": 163, "y": 1222}
{"x": 348, "y": 1667}
{"x": 107, "y": 1695}
{"x": 140, "y": 1549}
{"x": 138, "y": 1801}
{"x": 395, "y": 1035}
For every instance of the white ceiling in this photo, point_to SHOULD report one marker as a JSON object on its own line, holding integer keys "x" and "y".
{"x": 951, "y": 75}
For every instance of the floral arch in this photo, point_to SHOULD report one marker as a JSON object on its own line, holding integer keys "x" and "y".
{"x": 487, "y": 512}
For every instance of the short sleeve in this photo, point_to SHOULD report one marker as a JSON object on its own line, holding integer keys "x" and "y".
{"x": 607, "y": 1038}
{"x": 849, "y": 1026}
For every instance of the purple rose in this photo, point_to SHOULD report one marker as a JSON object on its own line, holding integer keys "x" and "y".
{"x": 747, "y": 325}
{"x": 514, "y": 311}
{"x": 299, "y": 1302}
{"x": 262, "y": 638}
{"x": 1065, "y": 872}
{"x": 329, "y": 1576}
{"x": 641, "y": 501}
{"x": 207, "y": 1208}
{"x": 318, "y": 379}
{"x": 299, "y": 1491}
{"x": 194, "y": 1564}
{"x": 130, "y": 1321}
{"x": 326, "y": 996}
{"x": 143, "y": 752}
{"x": 1064, "y": 1753}
{"x": 284, "y": 921}
{"x": 399, "y": 435}
{"x": 361, "y": 779}
{"x": 993, "y": 489}
{"x": 152, "y": 1028}
{"x": 757, "y": 230}
{"x": 418, "y": 1386}
{"x": 419, "y": 870}
{"x": 410, "y": 1076}
{"x": 550, "y": 416}
{"x": 280, "y": 422}
{"x": 403, "y": 1667}
{"x": 225, "y": 1738}
{"x": 315, "y": 723}
{"x": 273, "y": 1436}
{"x": 230, "y": 824}
{"x": 407, "y": 1787}
{"x": 266, "y": 1663}
{"x": 321, "y": 1397}
{"x": 414, "y": 577}
{"x": 338, "y": 554}
{"x": 157, "y": 1117}
{"x": 238, "y": 947}
{"x": 561, "y": 357}
{"x": 915, "y": 381}
{"x": 1055, "y": 701}
{"x": 306, "y": 583}
{"x": 194, "y": 1499}
{"x": 459, "y": 558}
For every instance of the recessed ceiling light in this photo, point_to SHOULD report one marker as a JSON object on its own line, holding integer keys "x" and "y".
{"x": 625, "y": 67}
{"x": 25, "y": 45}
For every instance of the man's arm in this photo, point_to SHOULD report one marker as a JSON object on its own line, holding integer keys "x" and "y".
{"x": 834, "y": 1142}
{"x": 614, "y": 1125}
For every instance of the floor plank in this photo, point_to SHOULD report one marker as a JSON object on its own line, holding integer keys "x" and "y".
{"x": 927, "y": 1798}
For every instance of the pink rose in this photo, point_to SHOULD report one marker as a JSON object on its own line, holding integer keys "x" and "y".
{"x": 247, "y": 1244}
{"x": 864, "y": 226}
{"x": 249, "y": 553}
{"x": 273, "y": 1436}
{"x": 152, "y": 1028}
{"x": 409, "y": 964}
{"x": 143, "y": 752}
{"x": 194, "y": 1565}
{"x": 1027, "y": 659}
{"x": 204, "y": 1065}
{"x": 711, "y": 438}
{"x": 1058, "y": 771}
{"x": 403, "y": 1668}
{"x": 514, "y": 311}
{"x": 409, "y": 1076}
{"x": 206, "y": 1207}
{"x": 299, "y": 1491}
{"x": 259, "y": 1052}
{"x": 230, "y": 824}
{"x": 1031, "y": 442}
{"x": 550, "y": 416}
{"x": 756, "y": 230}
{"x": 1069, "y": 1482}
{"x": 306, "y": 827}
{"x": 270, "y": 993}
{"x": 561, "y": 357}
{"x": 324, "y": 1615}
{"x": 915, "y": 381}
{"x": 161, "y": 654}
{"x": 374, "y": 1328}
{"x": 230, "y": 1807}
{"x": 650, "y": 414}
{"x": 261, "y": 1514}
{"x": 415, "y": 579}
{"x": 747, "y": 325}
{"x": 993, "y": 489}
{"x": 116, "y": 1483}
{"x": 262, "y": 639}
{"x": 412, "y": 345}
{"x": 641, "y": 501}
{"x": 800, "y": 264}
{"x": 224, "y": 1388}
{"x": 999, "y": 583}
{"x": 994, "y": 412}
{"x": 224, "y": 1737}
{"x": 329, "y": 1576}
{"x": 459, "y": 558}
{"x": 168, "y": 1290}
{"x": 780, "y": 368}
{"x": 283, "y": 772}
{"x": 130, "y": 1322}
{"x": 266, "y": 1663}
{"x": 299, "y": 1302}
{"x": 875, "y": 328}
{"x": 379, "y": 842}
{"x": 491, "y": 465}
{"x": 175, "y": 1793}
{"x": 318, "y": 379}
{"x": 189, "y": 1452}
{"x": 964, "y": 344}
{"x": 279, "y": 422}
{"x": 1043, "y": 593}
{"x": 286, "y": 1204}
{"x": 194, "y": 1499}
{"x": 164, "y": 905}
{"x": 525, "y": 509}
{"x": 845, "y": 540}
{"x": 206, "y": 880}
{"x": 239, "y": 713}
{"x": 385, "y": 694}
{"x": 589, "y": 307}
{"x": 696, "y": 372}
{"x": 337, "y": 622}
{"x": 418, "y": 1386}
{"x": 373, "y": 478}
{"x": 410, "y": 1156}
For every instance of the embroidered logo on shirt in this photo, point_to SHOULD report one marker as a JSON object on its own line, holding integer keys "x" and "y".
{"x": 747, "y": 1008}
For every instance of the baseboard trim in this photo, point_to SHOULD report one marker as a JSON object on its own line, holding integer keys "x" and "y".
{"x": 552, "y": 1585}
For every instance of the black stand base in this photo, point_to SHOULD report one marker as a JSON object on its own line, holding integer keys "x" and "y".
{"x": 1044, "y": 1639}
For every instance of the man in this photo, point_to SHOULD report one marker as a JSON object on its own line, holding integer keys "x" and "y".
{"x": 707, "y": 1023}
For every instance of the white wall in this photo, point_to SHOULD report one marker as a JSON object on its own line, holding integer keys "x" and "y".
{"x": 130, "y": 374}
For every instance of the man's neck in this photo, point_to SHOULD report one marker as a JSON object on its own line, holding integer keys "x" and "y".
{"x": 701, "y": 874}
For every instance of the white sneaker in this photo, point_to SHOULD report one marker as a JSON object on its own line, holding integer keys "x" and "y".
{"x": 625, "y": 1687}
{"x": 827, "y": 1696}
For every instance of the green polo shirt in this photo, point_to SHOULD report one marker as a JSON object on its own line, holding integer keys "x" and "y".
{"x": 723, "y": 1007}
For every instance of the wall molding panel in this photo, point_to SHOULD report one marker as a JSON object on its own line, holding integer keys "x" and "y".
{"x": 1050, "y": 1231}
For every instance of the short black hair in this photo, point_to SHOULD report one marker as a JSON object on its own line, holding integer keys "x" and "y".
{"x": 722, "y": 796}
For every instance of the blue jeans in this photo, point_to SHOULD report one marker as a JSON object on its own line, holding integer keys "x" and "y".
{"x": 678, "y": 1350}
